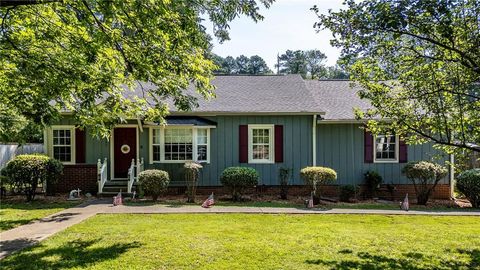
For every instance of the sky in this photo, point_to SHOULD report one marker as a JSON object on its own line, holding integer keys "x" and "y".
{"x": 288, "y": 24}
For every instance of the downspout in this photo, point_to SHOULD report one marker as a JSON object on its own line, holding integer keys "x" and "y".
{"x": 314, "y": 141}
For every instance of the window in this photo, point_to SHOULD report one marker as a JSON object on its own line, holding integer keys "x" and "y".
{"x": 62, "y": 144}
{"x": 260, "y": 144}
{"x": 172, "y": 145}
{"x": 178, "y": 144}
{"x": 386, "y": 148}
{"x": 156, "y": 145}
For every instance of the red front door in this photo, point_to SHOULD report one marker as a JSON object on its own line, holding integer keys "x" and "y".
{"x": 124, "y": 150}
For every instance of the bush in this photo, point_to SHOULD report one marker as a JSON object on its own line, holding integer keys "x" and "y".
{"x": 153, "y": 182}
{"x": 284, "y": 174}
{"x": 468, "y": 182}
{"x": 348, "y": 192}
{"x": 425, "y": 177}
{"x": 26, "y": 172}
{"x": 192, "y": 170}
{"x": 237, "y": 179}
{"x": 315, "y": 176}
{"x": 373, "y": 180}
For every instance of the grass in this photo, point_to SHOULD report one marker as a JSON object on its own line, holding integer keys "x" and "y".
{"x": 256, "y": 241}
{"x": 14, "y": 214}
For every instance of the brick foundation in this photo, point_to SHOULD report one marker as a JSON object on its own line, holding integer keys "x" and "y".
{"x": 440, "y": 192}
{"x": 82, "y": 176}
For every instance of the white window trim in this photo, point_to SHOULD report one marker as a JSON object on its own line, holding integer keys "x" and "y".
{"x": 383, "y": 160}
{"x": 271, "y": 152}
{"x": 72, "y": 142}
{"x": 162, "y": 144}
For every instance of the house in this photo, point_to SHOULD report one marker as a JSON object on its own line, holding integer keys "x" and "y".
{"x": 264, "y": 122}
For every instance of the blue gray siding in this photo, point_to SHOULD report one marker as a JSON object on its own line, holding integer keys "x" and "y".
{"x": 225, "y": 149}
{"x": 340, "y": 146}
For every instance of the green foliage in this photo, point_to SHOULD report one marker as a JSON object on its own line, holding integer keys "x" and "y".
{"x": 284, "y": 174}
{"x": 26, "y": 172}
{"x": 315, "y": 176}
{"x": 71, "y": 54}
{"x": 16, "y": 128}
{"x": 191, "y": 171}
{"x": 425, "y": 177}
{"x": 348, "y": 192}
{"x": 237, "y": 179}
{"x": 310, "y": 64}
{"x": 468, "y": 182}
{"x": 418, "y": 63}
{"x": 154, "y": 182}
{"x": 255, "y": 65}
{"x": 373, "y": 180}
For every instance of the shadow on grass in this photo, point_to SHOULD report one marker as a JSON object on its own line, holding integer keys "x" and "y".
{"x": 76, "y": 253}
{"x": 10, "y": 224}
{"x": 409, "y": 261}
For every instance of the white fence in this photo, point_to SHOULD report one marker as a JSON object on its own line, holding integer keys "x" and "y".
{"x": 9, "y": 151}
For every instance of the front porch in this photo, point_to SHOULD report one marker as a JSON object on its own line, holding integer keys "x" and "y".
{"x": 112, "y": 186}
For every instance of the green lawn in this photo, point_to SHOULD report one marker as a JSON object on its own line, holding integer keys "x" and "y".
{"x": 256, "y": 241}
{"x": 13, "y": 214}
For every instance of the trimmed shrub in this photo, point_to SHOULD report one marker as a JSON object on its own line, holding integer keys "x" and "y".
{"x": 348, "y": 192}
{"x": 284, "y": 174}
{"x": 26, "y": 172}
{"x": 373, "y": 180}
{"x": 315, "y": 176}
{"x": 191, "y": 170}
{"x": 153, "y": 182}
{"x": 468, "y": 182}
{"x": 425, "y": 177}
{"x": 237, "y": 179}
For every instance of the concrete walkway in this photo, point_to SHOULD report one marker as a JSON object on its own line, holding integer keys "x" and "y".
{"x": 30, "y": 234}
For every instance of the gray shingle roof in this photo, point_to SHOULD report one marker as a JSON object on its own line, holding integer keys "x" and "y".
{"x": 337, "y": 98}
{"x": 275, "y": 94}
{"x": 253, "y": 94}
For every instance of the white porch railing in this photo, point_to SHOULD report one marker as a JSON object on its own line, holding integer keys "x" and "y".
{"x": 133, "y": 172}
{"x": 102, "y": 174}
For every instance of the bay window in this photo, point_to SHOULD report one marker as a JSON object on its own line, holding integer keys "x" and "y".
{"x": 179, "y": 144}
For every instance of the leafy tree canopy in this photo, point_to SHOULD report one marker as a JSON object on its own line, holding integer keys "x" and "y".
{"x": 254, "y": 65}
{"x": 68, "y": 55}
{"x": 310, "y": 64}
{"x": 419, "y": 64}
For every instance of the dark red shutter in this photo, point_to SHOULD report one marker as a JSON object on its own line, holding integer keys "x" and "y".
{"x": 368, "y": 147}
{"x": 403, "y": 149}
{"x": 79, "y": 146}
{"x": 243, "y": 144}
{"x": 278, "y": 143}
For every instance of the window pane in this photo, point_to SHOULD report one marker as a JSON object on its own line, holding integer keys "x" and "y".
{"x": 202, "y": 152}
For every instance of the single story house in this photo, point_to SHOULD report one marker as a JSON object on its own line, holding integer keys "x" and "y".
{"x": 264, "y": 122}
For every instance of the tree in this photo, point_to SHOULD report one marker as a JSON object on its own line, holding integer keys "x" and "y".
{"x": 229, "y": 65}
{"x": 16, "y": 128}
{"x": 242, "y": 64}
{"x": 419, "y": 65}
{"x": 293, "y": 62}
{"x": 256, "y": 66}
{"x": 314, "y": 63}
{"x": 334, "y": 72}
{"x": 57, "y": 55}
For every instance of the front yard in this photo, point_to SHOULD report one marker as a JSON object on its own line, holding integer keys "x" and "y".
{"x": 15, "y": 211}
{"x": 255, "y": 241}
